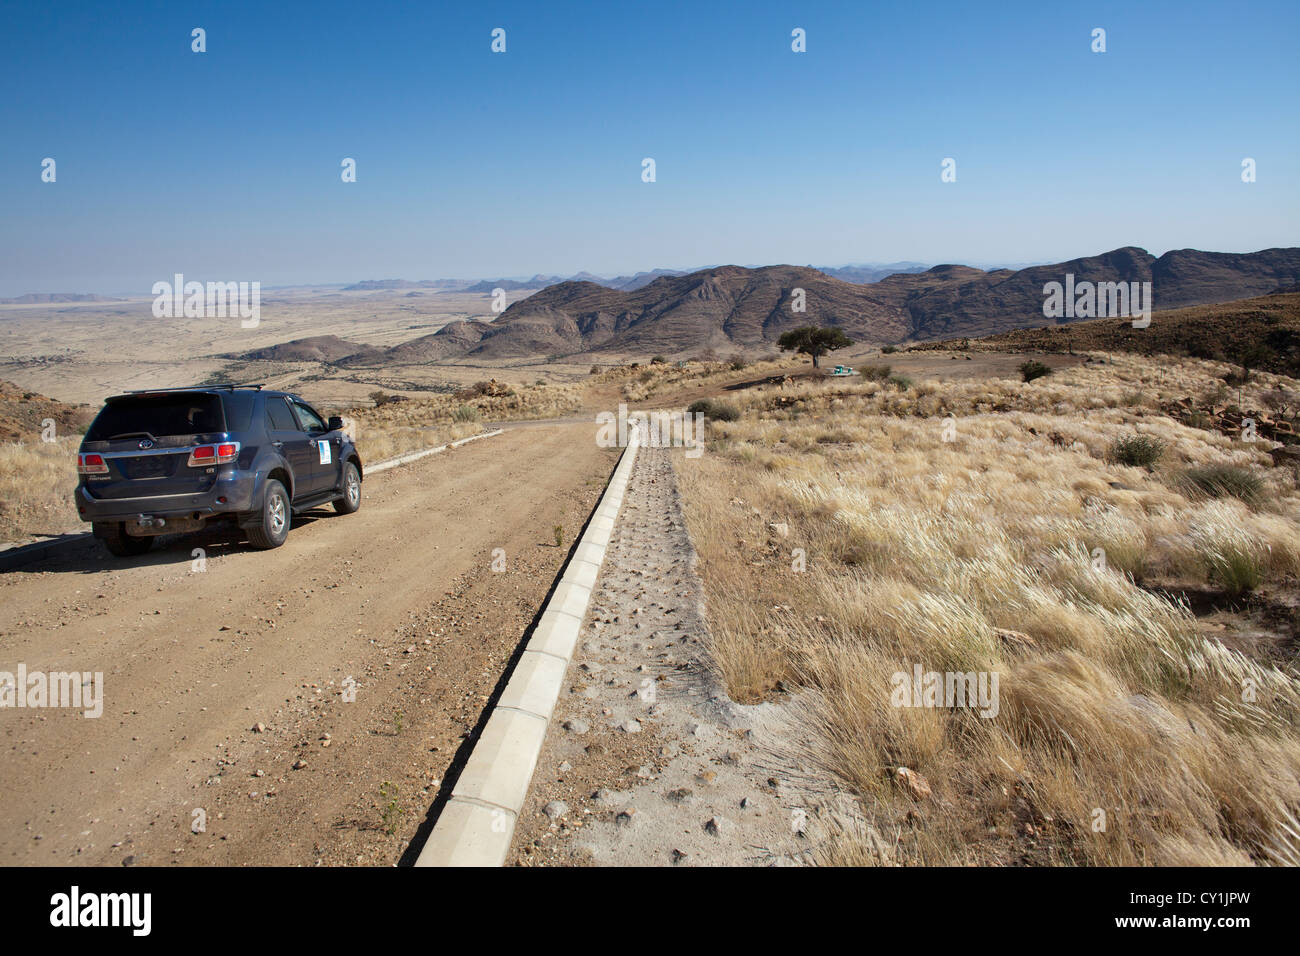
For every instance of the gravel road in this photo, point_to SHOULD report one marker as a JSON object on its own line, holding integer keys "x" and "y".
{"x": 225, "y": 689}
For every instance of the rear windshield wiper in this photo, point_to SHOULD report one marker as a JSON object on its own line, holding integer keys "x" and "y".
{"x": 131, "y": 435}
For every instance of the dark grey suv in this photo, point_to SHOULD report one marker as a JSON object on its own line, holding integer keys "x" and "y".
{"x": 164, "y": 461}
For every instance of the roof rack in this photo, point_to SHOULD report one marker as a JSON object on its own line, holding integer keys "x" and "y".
{"x": 229, "y": 386}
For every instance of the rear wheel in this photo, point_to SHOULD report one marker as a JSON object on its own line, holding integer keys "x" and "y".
{"x": 276, "y": 514}
{"x": 124, "y": 545}
{"x": 351, "y": 499}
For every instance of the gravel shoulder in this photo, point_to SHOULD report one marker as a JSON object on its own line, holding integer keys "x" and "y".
{"x": 648, "y": 762}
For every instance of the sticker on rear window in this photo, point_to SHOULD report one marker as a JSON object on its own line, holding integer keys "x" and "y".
{"x": 324, "y": 447}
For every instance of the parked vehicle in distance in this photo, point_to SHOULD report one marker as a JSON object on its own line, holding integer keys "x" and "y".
{"x": 163, "y": 461}
{"x": 844, "y": 370}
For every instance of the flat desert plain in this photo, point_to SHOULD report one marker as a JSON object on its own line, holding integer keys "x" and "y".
{"x": 82, "y": 352}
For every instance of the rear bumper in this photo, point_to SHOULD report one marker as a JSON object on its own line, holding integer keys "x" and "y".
{"x": 228, "y": 494}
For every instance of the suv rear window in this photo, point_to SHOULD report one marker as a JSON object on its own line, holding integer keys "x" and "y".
{"x": 185, "y": 413}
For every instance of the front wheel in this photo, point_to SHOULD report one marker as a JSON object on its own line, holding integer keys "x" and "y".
{"x": 351, "y": 499}
{"x": 276, "y": 514}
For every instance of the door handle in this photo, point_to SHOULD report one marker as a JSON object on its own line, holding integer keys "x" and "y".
{"x": 277, "y": 444}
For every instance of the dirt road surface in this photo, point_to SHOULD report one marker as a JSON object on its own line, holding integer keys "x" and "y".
{"x": 219, "y": 682}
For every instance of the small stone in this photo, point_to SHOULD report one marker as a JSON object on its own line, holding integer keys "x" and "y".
{"x": 631, "y": 727}
{"x": 556, "y": 809}
{"x": 299, "y": 764}
{"x": 565, "y": 767}
{"x": 679, "y": 796}
{"x": 258, "y": 728}
{"x": 576, "y": 726}
{"x": 716, "y": 825}
{"x": 624, "y": 819}
{"x": 917, "y": 787}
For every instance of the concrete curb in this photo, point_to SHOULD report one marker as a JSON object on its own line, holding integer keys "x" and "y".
{"x": 17, "y": 556}
{"x": 477, "y": 824}
{"x": 417, "y": 455}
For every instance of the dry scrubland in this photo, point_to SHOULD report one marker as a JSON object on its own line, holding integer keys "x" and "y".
{"x": 645, "y": 383}
{"x": 395, "y": 425}
{"x": 36, "y": 482}
{"x": 976, "y": 554}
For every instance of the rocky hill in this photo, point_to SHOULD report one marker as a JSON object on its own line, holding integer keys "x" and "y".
{"x": 1264, "y": 331}
{"x": 24, "y": 412}
{"x": 731, "y": 306}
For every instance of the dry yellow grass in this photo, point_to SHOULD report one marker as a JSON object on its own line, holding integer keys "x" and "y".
{"x": 643, "y": 383}
{"x": 36, "y": 483}
{"x": 1000, "y": 540}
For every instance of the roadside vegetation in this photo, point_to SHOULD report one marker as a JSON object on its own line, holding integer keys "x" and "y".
{"x": 1131, "y": 578}
{"x": 646, "y": 383}
{"x": 36, "y": 483}
{"x": 395, "y": 425}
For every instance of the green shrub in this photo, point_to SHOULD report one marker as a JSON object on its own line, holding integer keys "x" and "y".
{"x": 1236, "y": 569}
{"x": 1033, "y": 369}
{"x": 717, "y": 411}
{"x": 888, "y": 349}
{"x": 875, "y": 373}
{"x": 1137, "y": 451}
{"x": 658, "y": 360}
{"x": 1225, "y": 481}
{"x": 466, "y": 413}
{"x": 900, "y": 382}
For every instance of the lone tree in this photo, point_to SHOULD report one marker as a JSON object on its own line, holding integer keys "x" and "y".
{"x": 813, "y": 341}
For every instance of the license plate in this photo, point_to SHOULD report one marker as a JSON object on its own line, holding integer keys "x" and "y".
{"x": 148, "y": 466}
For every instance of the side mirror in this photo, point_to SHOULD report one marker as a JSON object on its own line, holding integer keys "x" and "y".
{"x": 335, "y": 423}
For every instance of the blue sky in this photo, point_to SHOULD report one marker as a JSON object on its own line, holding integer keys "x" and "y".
{"x": 225, "y": 165}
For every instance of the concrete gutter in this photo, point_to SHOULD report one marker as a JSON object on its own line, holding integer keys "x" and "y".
{"x": 477, "y": 823}
{"x": 17, "y": 556}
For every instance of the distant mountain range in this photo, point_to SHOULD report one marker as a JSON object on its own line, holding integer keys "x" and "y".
{"x": 730, "y": 307}
{"x": 623, "y": 283}
{"x": 858, "y": 274}
{"x": 50, "y": 298}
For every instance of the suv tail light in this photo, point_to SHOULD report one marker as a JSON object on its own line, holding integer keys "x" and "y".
{"x": 220, "y": 454}
{"x": 91, "y": 465}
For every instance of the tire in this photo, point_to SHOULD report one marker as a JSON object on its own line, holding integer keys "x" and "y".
{"x": 277, "y": 515}
{"x": 125, "y": 546}
{"x": 351, "y": 499}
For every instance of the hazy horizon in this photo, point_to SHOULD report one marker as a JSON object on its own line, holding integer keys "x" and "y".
{"x": 561, "y": 276}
